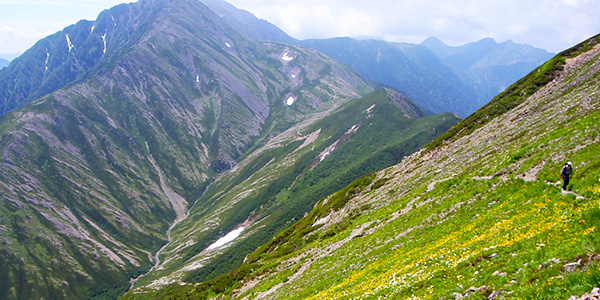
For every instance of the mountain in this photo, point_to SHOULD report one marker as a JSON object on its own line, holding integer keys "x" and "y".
{"x": 129, "y": 133}
{"x": 490, "y": 66}
{"x": 131, "y": 144}
{"x": 280, "y": 181}
{"x": 409, "y": 68}
{"x": 4, "y": 63}
{"x": 437, "y": 77}
{"x": 70, "y": 55}
{"x": 479, "y": 212}
{"x": 75, "y": 53}
{"x": 431, "y": 74}
{"x": 247, "y": 24}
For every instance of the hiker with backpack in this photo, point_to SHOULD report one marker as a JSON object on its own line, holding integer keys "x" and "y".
{"x": 565, "y": 174}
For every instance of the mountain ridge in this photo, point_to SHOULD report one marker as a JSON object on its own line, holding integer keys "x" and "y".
{"x": 459, "y": 87}
{"x": 414, "y": 71}
{"x": 95, "y": 173}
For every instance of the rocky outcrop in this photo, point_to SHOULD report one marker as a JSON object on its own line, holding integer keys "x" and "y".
{"x": 594, "y": 295}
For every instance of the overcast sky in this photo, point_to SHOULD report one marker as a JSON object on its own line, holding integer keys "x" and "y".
{"x": 550, "y": 24}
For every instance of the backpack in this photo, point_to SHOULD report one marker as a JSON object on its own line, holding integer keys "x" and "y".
{"x": 567, "y": 170}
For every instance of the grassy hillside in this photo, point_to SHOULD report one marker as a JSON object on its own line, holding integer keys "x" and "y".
{"x": 481, "y": 214}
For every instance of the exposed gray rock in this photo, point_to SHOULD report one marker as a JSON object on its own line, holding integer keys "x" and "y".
{"x": 594, "y": 295}
{"x": 572, "y": 267}
{"x": 493, "y": 295}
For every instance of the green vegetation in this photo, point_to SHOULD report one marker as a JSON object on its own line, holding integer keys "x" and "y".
{"x": 479, "y": 216}
{"x": 296, "y": 178}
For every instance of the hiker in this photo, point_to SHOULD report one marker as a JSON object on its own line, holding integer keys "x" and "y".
{"x": 565, "y": 174}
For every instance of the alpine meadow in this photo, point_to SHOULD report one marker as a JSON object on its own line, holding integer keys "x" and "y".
{"x": 184, "y": 149}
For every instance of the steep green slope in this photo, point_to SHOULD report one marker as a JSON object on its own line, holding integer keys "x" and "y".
{"x": 279, "y": 182}
{"x": 479, "y": 215}
{"x": 93, "y": 175}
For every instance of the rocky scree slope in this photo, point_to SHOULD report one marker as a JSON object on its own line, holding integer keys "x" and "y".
{"x": 93, "y": 175}
{"x": 478, "y": 213}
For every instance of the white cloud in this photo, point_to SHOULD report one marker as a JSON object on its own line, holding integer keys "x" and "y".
{"x": 554, "y": 25}
{"x": 32, "y": 20}
{"x": 18, "y": 40}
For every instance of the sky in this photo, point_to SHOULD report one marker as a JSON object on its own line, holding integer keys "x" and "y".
{"x": 553, "y": 25}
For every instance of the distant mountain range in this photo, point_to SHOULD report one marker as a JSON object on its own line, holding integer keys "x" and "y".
{"x": 487, "y": 66}
{"x": 4, "y": 63}
{"x": 437, "y": 77}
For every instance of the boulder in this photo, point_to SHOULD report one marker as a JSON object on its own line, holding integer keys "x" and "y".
{"x": 572, "y": 267}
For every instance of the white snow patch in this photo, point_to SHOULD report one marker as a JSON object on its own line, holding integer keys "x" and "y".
{"x": 286, "y": 56}
{"x": 327, "y": 152}
{"x": 370, "y": 109}
{"x": 353, "y": 129}
{"x": 92, "y": 29}
{"x": 228, "y": 45}
{"x": 324, "y": 155}
{"x": 290, "y": 101}
{"x": 69, "y": 42}
{"x": 294, "y": 76}
{"x": 197, "y": 78}
{"x": 104, "y": 41}
{"x": 47, "y": 58}
{"x": 226, "y": 239}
